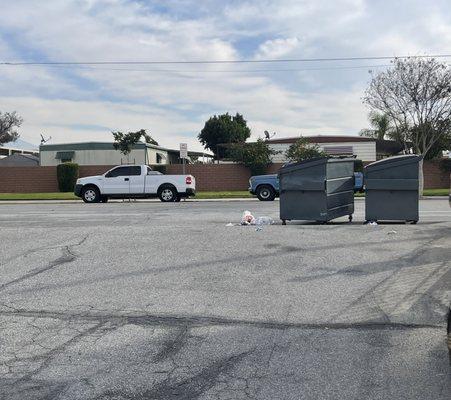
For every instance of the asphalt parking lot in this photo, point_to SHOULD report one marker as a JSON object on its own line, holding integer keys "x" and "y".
{"x": 145, "y": 300}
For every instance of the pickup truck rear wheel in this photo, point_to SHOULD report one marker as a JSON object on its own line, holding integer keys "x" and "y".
{"x": 167, "y": 193}
{"x": 90, "y": 194}
{"x": 266, "y": 193}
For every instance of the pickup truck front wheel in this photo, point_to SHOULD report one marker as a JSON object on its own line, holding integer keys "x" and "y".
{"x": 266, "y": 193}
{"x": 167, "y": 193}
{"x": 90, "y": 194}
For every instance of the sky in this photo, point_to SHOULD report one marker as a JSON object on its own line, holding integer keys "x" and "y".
{"x": 173, "y": 101}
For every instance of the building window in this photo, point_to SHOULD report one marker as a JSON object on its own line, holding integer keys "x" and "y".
{"x": 65, "y": 156}
{"x": 339, "y": 150}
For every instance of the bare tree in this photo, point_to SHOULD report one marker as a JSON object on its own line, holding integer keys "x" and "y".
{"x": 415, "y": 94}
{"x": 9, "y": 121}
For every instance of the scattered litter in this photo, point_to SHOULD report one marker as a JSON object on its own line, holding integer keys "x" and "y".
{"x": 392, "y": 233}
{"x": 247, "y": 218}
{"x": 229, "y": 224}
{"x": 264, "y": 221}
{"x": 372, "y": 223}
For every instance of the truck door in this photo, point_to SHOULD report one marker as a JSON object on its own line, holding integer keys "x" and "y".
{"x": 136, "y": 180}
{"x": 117, "y": 181}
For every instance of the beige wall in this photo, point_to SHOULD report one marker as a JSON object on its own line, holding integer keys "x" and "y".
{"x": 365, "y": 151}
{"x": 105, "y": 157}
{"x": 95, "y": 157}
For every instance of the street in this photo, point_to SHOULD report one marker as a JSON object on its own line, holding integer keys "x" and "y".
{"x": 145, "y": 300}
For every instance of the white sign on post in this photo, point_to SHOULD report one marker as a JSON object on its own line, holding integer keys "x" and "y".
{"x": 183, "y": 150}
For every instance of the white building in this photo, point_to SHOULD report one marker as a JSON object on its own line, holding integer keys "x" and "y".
{"x": 104, "y": 153}
{"x": 361, "y": 147}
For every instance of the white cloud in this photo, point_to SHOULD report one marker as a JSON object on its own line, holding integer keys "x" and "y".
{"x": 174, "y": 105}
{"x": 276, "y": 48}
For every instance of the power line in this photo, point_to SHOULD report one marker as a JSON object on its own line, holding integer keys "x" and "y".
{"x": 288, "y": 60}
{"x": 216, "y": 71}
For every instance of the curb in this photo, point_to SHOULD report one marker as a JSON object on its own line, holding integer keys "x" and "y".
{"x": 194, "y": 200}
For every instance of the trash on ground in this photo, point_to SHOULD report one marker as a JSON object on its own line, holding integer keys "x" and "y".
{"x": 247, "y": 218}
{"x": 264, "y": 221}
{"x": 372, "y": 223}
{"x": 230, "y": 224}
{"x": 391, "y": 232}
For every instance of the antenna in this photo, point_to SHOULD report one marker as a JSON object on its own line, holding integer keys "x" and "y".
{"x": 44, "y": 140}
{"x": 269, "y": 135}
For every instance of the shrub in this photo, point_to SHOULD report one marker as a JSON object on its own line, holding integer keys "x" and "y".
{"x": 67, "y": 174}
{"x": 302, "y": 149}
{"x": 445, "y": 164}
{"x": 358, "y": 166}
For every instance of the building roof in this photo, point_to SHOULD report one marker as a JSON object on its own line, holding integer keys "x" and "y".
{"x": 324, "y": 139}
{"x": 20, "y": 144}
{"x": 19, "y": 160}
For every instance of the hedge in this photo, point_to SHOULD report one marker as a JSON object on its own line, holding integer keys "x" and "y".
{"x": 67, "y": 174}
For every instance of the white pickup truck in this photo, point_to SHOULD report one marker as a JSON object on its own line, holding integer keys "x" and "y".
{"x": 134, "y": 181}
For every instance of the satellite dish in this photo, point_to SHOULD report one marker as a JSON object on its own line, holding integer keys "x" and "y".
{"x": 268, "y": 135}
{"x": 43, "y": 140}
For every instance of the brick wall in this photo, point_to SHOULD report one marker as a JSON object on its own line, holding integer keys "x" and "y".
{"x": 215, "y": 177}
{"x": 28, "y": 179}
{"x": 210, "y": 177}
{"x": 434, "y": 176}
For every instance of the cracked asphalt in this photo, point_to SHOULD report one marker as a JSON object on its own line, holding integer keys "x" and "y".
{"x": 145, "y": 300}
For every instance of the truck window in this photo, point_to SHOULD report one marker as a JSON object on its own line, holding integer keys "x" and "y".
{"x": 135, "y": 171}
{"x": 119, "y": 171}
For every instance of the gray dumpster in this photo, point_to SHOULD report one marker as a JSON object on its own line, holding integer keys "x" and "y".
{"x": 391, "y": 187}
{"x": 319, "y": 189}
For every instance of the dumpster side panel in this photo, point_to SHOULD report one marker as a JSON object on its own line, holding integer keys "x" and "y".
{"x": 391, "y": 205}
{"x": 392, "y": 189}
{"x": 303, "y": 205}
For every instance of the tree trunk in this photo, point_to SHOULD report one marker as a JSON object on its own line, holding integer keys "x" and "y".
{"x": 420, "y": 178}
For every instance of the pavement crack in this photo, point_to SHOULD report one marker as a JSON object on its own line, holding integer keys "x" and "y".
{"x": 173, "y": 345}
{"x": 184, "y": 321}
{"x": 67, "y": 256}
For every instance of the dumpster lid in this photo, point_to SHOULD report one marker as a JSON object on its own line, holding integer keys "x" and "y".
{"x": 398, "y": 160}
{"x": 312, "y": 162}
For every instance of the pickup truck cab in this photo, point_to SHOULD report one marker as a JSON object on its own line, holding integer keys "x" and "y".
{"x": 134, "y": 181}
{"x": 266, "y": 187}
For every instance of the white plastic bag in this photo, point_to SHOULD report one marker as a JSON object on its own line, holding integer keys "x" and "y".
{"x": 247, "y": 218}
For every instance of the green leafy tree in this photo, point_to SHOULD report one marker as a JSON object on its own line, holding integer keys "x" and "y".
{"x": 302, "y": 149}
{"x": 256, "y": 156}
{"x": 415, "y": 93}
{"x": 9, "y": 121}
{"x": 124, "y": 142}
{"x": 222, "y": 130}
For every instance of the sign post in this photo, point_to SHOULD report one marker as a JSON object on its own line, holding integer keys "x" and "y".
{"x": 183, "y": 154}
